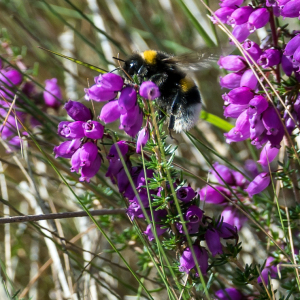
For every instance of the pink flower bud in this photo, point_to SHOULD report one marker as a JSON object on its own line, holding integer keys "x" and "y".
{"x": 52, "y": 93}
{"x": 110, "y": 82}
{"x": 149, "y": 90}
{"x": 87, "y": 172}
{"x": 93, "y": 130}
{"x": 110, "y": 112}
{"x": 267, "y": 154}
{"x": 258, "y": 19}
{"x": 260, "y": 183}
{"x": 240, "y": 15}
{"x": 142, "y": 139}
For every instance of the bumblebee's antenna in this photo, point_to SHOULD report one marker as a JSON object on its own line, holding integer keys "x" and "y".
{"x": 119, "y": 59}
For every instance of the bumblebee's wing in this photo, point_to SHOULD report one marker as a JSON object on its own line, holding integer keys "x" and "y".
{"x": 193, "y": 61}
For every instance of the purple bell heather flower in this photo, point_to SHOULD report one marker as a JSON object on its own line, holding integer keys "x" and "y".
{"x": 249, "y": 80}
{"x": 113, "y": 154}
{"x": 99, "y": 94}
{"x": 233, "y": 136}
{"x": 87, "y": 172}
{"x": 271, "y": 120}
{"x": 240, "y": 15}
{"x": 63, "y": 129}
{"x": 292, "y": 45}
{"x": 142, "y": 139}
{"x": 260, "y": 140}
{"x": 222, "y": 14}
{"x": 268, "y": 154}
{"x": 234, "y": 110}
{"x": 10, "y": 127}
{"x": 128, "y": 119}
{"x": 75, "y": 161}
{"x": 113, "y": 169}
{"x": 240, "y": 179}
{"x": 187, "y": 261}
{"x": 251, "y": 168}
{"x": 287, "y": 65}
{"x": 78, "y": 111}
{"x": 259, "y": 183}
{"x": 213, "y": 195}
{"x": 258, "y": 19}
{"x": 240, "y": 95}
{"x": 75, "y": 130}
{"x": 242, "y": 125}
{"x": 241, "y": 32}
{"x": 110, "y": 82}
{"x": 226, "y": 230}
{"x": 52, "y": 93}
{"x": 289, "y": 122}
{"x": 252, "y": 49}
{"x": 291, "y": 9}
{"x": 296, "y": 56}
{"x": 222, "y": 172}
{"x": 232, "y": 217}
{"x": 271, "y": 3}
{"x": 231, "y": 81}
{"x": 127, "y": 99}
{"x": 93, "y": 130}
{"x": 149, "y": 90}
{"x": 230, "y": 3}
{"x": 194, "y": 214}
{"x": 233, "y": 63}
{"x": 122, "y": 180}
{"x": 257, "y": 128}
{"x": 110, "y": 112}
{"x": 185, "y": 194}
{"x": 268, "y": 270}
{"x": 270, "y": 58}
{"x": 229, "y": 294}
{"x": 134, "y": 130}
{"x": 66, "y": 149}
{"x": 141, "y": 179}
{"x": 257, "y": 105}
{"x": 10, "y": 77}
{"x": 88, "y": 153}
{"x": 212, "y": 239}
{"x": 150, "y": 233}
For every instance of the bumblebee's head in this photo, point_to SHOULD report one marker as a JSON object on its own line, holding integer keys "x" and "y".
{"x": 133, "y": 64}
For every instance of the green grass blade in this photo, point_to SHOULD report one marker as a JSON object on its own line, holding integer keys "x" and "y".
{"x": 216, "y": 121}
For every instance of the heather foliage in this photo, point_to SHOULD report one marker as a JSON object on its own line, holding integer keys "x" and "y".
{"x": 209, "y": 214}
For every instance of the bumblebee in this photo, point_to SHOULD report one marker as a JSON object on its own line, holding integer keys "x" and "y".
{"x": 179, "y": 95}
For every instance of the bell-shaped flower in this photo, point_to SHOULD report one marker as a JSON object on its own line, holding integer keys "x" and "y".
{"x": 240, "y": 15}
{"x": 242, "y": 125}
{"x": 252, "y": 49}
{"x": 52, "y": 93}
{"x": 258, "y": 19}
{"x": 287, "y": 65}
{"x": 251, "y": 168}
{"x": 194, "y": 214}
{"x": 234, "y": 110}
{"x": 249, "y": 80}
{"x": 271, "y": 120}
{"x": 290, "y": 121}
{"x": 93, "y": 130}
{"x": 239, "y": 179}
{"x": 231, "y": 81}
{"x": 235, "y": 135}
{"x": 63, "y": 129}
{"x": 291, "y": 9}
{"x": 99, "y": 94}
{"x": 142, "y": 139}
{"x": 240, "y": 95}
{"x": 135, "y": 128}
{"x": 257, "y": 127}
{"x": 260, "y": 183}
{"x": 270, "y": 58}
{"x": 187, "y": 261}
{"x": 267, "y": 154}
{"x": 292, "y": 45}
{"x": 78, "y": 111}
{"x": 229, "y": 294}
{"x": 113, "y": 154}
{"x": 110, "y": 112}
{"x": 212, "y": 239}
{"x": 149, "y": 90}
{"x": 141, "y": 179}
{"x": 110, "y": 82}
{"x": 150, "y": 232}
{"x": 222, "y": 14}
{"x": 296, "y": 56}
{"x": 241, "y": 32}
{"x": 122, "y": 179}
{"x": 233, "y": 63}
{"x": 226, "y": 230}
{"x": 87, "y": 172}
{"x": 257, "y": 105}
{"x": 185, "y": 194}
{"x": 128, "y": 119}
{"x": 214, "y": 195}
{"x": 10, "y": 127}
{"x": 10, "y": 77}
{"x": 88, "y": 153}
{"x": 66, "y": 149}
{"x": 127, "y": 99}
{"x": 75, "y": 130}
{"x": 232, "y": 217}
{"x": 269, "y": 270}
{"x": 76, "y": 161}
{"x": 222, "y": 174}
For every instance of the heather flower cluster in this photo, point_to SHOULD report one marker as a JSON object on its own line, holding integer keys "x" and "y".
{"x": 12, "y": 84}
{"x": 257, "y": 118}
